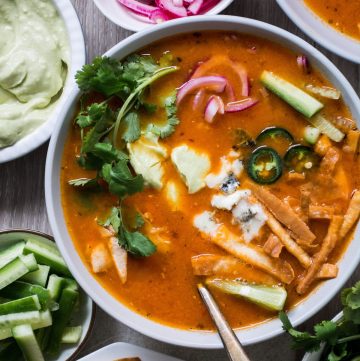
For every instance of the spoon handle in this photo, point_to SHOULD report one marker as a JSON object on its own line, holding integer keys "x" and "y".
{"x": 232, "y": 344}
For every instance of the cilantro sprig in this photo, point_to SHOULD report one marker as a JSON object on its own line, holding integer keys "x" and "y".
{"x": 341, "y": 339}
{"x": 105, "y": 130}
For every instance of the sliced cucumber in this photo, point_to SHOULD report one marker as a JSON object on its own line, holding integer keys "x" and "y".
{"x": 294, "y": 96}
{"x": 25, "y": 338}
{"x": 55, "y": 285}
{"x": 12, "y": 271}
{"x": 30, "y": 262}
{"x": 71, "y": 334}
{"x": 21, "y": 289}
{"x": 48, "y": 255}
{"x": 72, "y": 284}
{"x": 327, "y": 128}
{"x": 38, "y": 277}
{"x": 11, "y": 252}
{"x": 14, "y": 319}
{"x": 45, "y": 320}
{"x": 311, "y": 134}
{"x": 25, "y": 304}
{"x": 270, "y": 297}
{"x": 67, "y": 303}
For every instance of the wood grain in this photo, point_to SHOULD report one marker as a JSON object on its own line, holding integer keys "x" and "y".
{"x": 22, "y": 201}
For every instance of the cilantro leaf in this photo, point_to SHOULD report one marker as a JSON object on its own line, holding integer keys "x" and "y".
{"x": 350, "y": 299}
{"x": 132, "y": 128}
{"x": 139, "y": 220}
{"x": 84, "y": 182}
{"x": 114, "y": 220}
{"x": 108, "y": 153}
{"x": 166, "y": 130}
{"x": 338, "y": 353}
{"x": 327, "y": 331}
{"x": 120, "y": 179}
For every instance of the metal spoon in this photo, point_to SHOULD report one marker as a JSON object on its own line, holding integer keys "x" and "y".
{"x": 231, "y": 343}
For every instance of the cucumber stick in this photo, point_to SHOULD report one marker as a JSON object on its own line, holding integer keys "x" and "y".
{"x": 38, "y": 277}
{"x": 55, "y": 286}
{"x": 30, "y": 262}
{"x": 25, "y": 304}
{"x": 21, "y": 289}
{"x": 10, "y": 253}
{"x": 44, "y": 320}
{"x": 294, "y": 96}
{"x": 14, "y": 270}
{"x": 26, "y": 340}
{"x": 14, "y": 319}
{"x": 327, "y": 128}
{"x": 270, "y": 297}
{"x": 71, "y": 334}
{"x": 48, "y": 255}
{"x": 67, "y": 303}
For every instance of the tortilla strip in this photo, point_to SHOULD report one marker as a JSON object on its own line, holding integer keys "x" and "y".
{"x": 321, "y": 257}
{"x": 328, "y": 271}
{"x": 351, "y": 215}
{"x": 328, "y": 163}
{"x": 250, "y": 254}
{"x": 288, "y": 242}
{"x": 322, "y": 145}
{"x": 320, "y": 212}
{"x": 352, "y": 142}
{"x": 217, "y": 265}
{"x": 282, "y": 212}
{"x": 304, "y": 203}
{"x": 294, "y": 176}
{"x": 273, "y": 246}
{"x": 119, "y": 256}
{"x": 344, "y": 124}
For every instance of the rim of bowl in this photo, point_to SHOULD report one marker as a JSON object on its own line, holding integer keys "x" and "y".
{"x": 161, "y": 332}
{"x": 43, "y": 132}
{"x": 81, "y": 345}
{"x": 324, "y": 37}
{"x": 218, "y": 8}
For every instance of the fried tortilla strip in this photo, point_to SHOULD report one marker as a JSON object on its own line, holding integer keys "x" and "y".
{"x": 329, "y": 161}
{"x": 250, "y": 253}
{"x": 352, "y": 142}
{"x": 304, "y": 203}
{"x": 322, "y": 145}
{"x": 282, "y": 212}
{"x": 217, "y": 265}
{"x": 344, "y": 124}
{"x": 321, "y": 257}
{"x": 273, "y": 246}
{"x": 294, "y": 177}
{"x": 328, "y": 271}
{"x": 291, "y": 246}
{"x": 351, "y": 215}
{"x": 119, "y": 256}
{"x": 320, "y": 212}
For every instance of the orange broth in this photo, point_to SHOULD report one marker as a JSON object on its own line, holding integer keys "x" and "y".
{"x": 344, "y": 16}
{"x": 162, "y": 287}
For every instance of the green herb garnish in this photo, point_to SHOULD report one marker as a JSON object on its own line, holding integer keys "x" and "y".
{"x": 341, "y": 339}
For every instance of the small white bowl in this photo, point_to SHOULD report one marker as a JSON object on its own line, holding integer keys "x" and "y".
{"x": 198, "y": 339}
{"x": 120, "y": 350}
{"x": 78, "y": 55}
{"x": 85, "y": 317}
{"x": 315, "y": 356}
{"x": 320, "y": 31}
{"x": 127, "y": 19}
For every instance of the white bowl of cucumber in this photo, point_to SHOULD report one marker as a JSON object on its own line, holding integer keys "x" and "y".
{"x": 44, "y": 315}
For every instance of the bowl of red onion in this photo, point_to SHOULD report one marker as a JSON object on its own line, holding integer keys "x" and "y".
{"x": 136, "y": 15}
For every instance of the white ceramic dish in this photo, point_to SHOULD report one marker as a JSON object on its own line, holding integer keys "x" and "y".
{"x": 86, "y": 314}
{"x": 319, "y": 31}
{"x": 315, "y": 356}
{"x": 43, "y": 132}
{"x": 53, "y": 198}
{"x": 127, "y": 19}
{"x": 121, "y": 350}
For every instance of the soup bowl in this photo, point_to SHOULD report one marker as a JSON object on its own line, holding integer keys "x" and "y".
{"x": 198, "y": 339}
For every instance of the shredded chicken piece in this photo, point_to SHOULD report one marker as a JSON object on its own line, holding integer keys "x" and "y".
{"x": 273, "y": 246}
{"x": 322, "y": 145}
{"x": 249, "y": 253}
{"x": 282, "y": 212}
{"x": 351, "y": 215}
{"x": 287, "y": 241}
{"x": 328, "y": 271}
{"x": 304, "y": 203}
{"x": 294, "y": 176}
{"x": 352, "y": 142}
{"x": 119, "y": 256}
{"x": 100, "y": 259}
{"x": 328, "y": 163}
{"x": 217, "y": 265}
{"x": 344, "y": 124}
{"x": 321, "y": 257}
{"x": 321, "y": 212}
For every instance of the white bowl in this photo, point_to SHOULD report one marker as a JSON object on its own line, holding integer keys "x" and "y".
{"x": 87, "y": 309}
{"x": 198, "y": 339}
{"x": 127, "y": 19}
{"x": 320, "y": 31}
{"x": 43, "y": 132}
{"x": 315, "y": 356}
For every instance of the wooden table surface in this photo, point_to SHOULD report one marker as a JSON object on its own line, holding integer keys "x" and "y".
{"x": 22, "y": 202}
